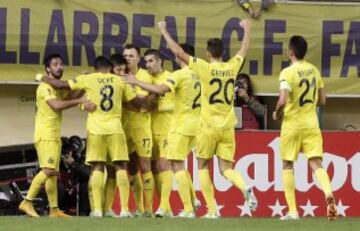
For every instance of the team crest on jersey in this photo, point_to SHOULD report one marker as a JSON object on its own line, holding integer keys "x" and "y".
{"x": 74, "y": 80}
{"x": 51, "y": 160}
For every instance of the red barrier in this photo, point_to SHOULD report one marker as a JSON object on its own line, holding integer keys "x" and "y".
{"x": 258, "y": 159}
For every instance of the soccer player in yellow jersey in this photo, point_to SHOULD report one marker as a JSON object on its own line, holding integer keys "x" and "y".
{"x": 216, "y": 135}
{"x": 301, "y": 90}
{"x": 105, "y": 132}
{"x": 119, "y": 67}
{"x": 160, "y": 124}
{"x": 49, "y": 106}
{"x": 139, "y": 138}
{"x": 184, "y": 125}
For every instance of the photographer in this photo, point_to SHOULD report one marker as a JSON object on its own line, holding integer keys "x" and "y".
{"x": 253, "y": 111}
{"x": 74, "y": 176}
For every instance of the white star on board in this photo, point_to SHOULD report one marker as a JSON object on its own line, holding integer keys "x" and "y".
{"x": 308, "y": 209}
{"x": 219, "y": 207}
{"x": 277, "y": 208}
{"x": 341, "y": 208}
{"x": 245, "y": 209}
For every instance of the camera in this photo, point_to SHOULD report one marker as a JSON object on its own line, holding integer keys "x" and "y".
{"x": 73, "y": 145}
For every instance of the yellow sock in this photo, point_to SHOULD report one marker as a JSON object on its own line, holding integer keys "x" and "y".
{"x": 184, "y": 190}
{"x": 36, "y": 184}
{"x": 207, "y": 189}
{"x": 137, "y": 188}
{"x": 51, "y": 191}
{"x": 157, "y": 180}
{"x": 91, "y": 198}
{"x": 97, "y": 187}
{"x": 289, "y": 189}
{"x": 148, "y": 182}
{"x": 191, "y": 187}
{"x": 235, "y": 178}
{"x": 122, "y": 181}
{"x": 323, "y": 178}
{"x": 166, "y": 185}
{"x": 110, "y": 187}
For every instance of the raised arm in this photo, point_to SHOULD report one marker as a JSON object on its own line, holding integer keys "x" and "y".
{"x": 173, "y": 46}
{"x": 245, "y": 24}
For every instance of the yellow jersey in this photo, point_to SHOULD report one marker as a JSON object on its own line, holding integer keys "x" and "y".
{"x": 217, "y": 91}
{"x": 161, "y": 118}
{"x": 139, "y": 119}
{"x": 108, "y": 92}
{"x": 185, "y": 84}
{"x": 47, "y": 120}
{"x": 303, "y": 81}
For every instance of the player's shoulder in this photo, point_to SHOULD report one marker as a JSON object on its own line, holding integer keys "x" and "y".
{"x": 287, "y": 70}
{"x": 44, "y": 86}
{"x": 142, "y": 72}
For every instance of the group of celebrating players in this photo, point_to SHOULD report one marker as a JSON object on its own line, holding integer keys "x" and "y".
{"x": 142, "y": 124}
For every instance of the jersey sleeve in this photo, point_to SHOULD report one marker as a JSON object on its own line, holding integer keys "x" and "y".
{"x": 78, "y": 83}
{"x": 129, "y": 94}
{"x": 285, "y": 80}
{"x": 237, "y": 62}
{"x": 198, "y": 65}
{"x": 47, "y": 92}
{"x": 173, "y": 80}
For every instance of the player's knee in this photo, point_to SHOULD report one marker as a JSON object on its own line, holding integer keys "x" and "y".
{"x": 50, "y": 172}
{"x": 315, "y": 163}
{"x": 145, "y": 165}
{"x": 288, "y": 165}
{"x": 97, "y": 166}
{"x": 202, "y": 163}
{"x": 177, "y": 166}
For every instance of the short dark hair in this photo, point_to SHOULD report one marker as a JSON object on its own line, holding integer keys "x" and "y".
{"x": 132, "y": 46}
{"x": 298, "y": 45}
{"x": 215, "y": 47}
{"x": 118, "y": 59}
{"x": 188, "y": 48}
{"x": 102, "y": 62}
{"x": 49, "y": 58}
{"x": 154, "y": 52}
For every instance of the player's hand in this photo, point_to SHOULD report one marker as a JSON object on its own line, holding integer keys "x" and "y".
{"x": 68, "y": 159}
{"x": 38, "y": 77}
{"x": 245, "y": 23}
{"x": 277, "y": 115}
{"x": 129, "y": 78}
{"x": 243, "y": 94}
{"x": 89, "y": 106}
{"x": 162, "y": 26}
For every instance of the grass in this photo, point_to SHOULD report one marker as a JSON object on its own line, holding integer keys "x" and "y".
{"x": 247, "y": 224}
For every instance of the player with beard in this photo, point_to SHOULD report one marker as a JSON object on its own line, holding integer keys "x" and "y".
{"x": 49, "y": 105}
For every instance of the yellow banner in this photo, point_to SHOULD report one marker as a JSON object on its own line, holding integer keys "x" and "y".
{"x": 81, "y": 30}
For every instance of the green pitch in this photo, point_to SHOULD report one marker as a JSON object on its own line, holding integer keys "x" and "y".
{"x": 233, "y": 224}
